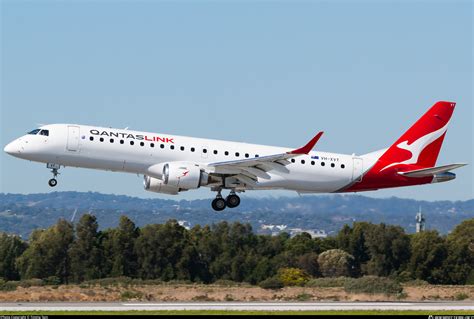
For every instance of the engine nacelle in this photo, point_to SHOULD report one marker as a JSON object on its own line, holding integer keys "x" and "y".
{"x": 184, "y": 175}
{"x": 156, "y": 185}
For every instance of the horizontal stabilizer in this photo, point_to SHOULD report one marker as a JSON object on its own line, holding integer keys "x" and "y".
{"x": 425, "y": 172}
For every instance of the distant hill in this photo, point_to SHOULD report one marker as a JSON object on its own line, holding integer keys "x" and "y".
{"x": 21, "y": 214}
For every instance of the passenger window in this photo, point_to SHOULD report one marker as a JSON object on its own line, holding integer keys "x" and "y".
{"x": 132, "y": 142}
{"x": 91, "y": 138}
{"x": 292, "y": 160}
{"x": 204, "y": 150}
{"x": 256, "y": 155}
{"x": 192, "y": 149}
{"x": 101, "y": 139}
{"x": 142, "y": 144}
{"x": 111, "y": 140}
{"x": 302, "y": 161}
{"x": 152, "y": 145}
{"x": 226, "y": 153}
{"x": 246, "y": 155}
{"x": 237, "y": 154}
{"x": 333, "y": 165}
{"x": 215, "y": 152}
{"x": 172, "y": 147}
{"x": 312, "y": 162}
{"x": 162, "y": 145}
{"x": 343, "y": 166}
{"x": 182, "y": 148}
{"x": 121, "y": 141}
{"x": 34, "y": 132}
{"x": 322, "y": 163}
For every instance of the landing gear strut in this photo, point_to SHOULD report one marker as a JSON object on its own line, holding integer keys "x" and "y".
{"x": 231, "y": 201}
{"x": 54, "y": 169}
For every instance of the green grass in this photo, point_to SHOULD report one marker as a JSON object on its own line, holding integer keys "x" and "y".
{"x": 218, "y": 312}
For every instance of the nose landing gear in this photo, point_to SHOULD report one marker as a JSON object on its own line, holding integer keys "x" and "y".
{"x": 54, "y": 169}
{"x": 53, "y": 182}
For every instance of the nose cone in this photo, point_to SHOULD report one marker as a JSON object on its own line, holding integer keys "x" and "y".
{"x": 11, "y": 148}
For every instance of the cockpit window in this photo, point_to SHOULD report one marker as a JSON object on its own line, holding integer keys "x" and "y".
{"x": 44, "y": 132}
{"x": 34, "y": 132}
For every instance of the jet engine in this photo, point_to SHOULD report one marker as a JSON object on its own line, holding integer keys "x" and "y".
{"x": 184, "y": 176}
{"x": 156, "y": 185}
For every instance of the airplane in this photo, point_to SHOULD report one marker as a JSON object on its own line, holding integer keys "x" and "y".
{"x": 172, "y": 164}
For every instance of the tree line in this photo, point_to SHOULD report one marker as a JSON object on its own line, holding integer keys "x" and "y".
{"x": 75, "y": 253}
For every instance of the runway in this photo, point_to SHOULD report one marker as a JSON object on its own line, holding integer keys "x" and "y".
{"x": 243, "y": 306}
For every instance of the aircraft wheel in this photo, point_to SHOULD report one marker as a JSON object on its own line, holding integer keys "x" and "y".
{"x": 218, "y": 204}
{"x": 232, "y": 201}
{"x": 52, "y": 182}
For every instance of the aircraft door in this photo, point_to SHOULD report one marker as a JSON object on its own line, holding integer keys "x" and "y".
{"x": 73, "y": 138}
{"x": 358, "y": 169}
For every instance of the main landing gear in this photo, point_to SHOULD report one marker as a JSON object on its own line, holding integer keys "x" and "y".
{"x": 231, "y": 201}
{"x": 54, "y": 169}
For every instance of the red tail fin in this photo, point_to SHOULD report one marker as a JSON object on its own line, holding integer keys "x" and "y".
{"x": 420, "y": 145}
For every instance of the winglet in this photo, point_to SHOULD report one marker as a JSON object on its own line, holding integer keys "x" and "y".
{"x": 308, "y": 147}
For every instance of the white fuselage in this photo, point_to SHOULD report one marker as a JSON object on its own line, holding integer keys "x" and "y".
{"x": 129, "y": 151}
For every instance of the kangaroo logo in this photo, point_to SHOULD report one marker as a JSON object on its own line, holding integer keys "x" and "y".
{"x": 418, "y": 146}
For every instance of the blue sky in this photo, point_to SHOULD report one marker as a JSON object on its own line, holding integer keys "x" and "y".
{"x": 261, "y": 72}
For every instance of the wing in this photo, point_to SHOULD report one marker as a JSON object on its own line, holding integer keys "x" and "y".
{"x": 424, "y": 172}
{"x": 249, "y": 169}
